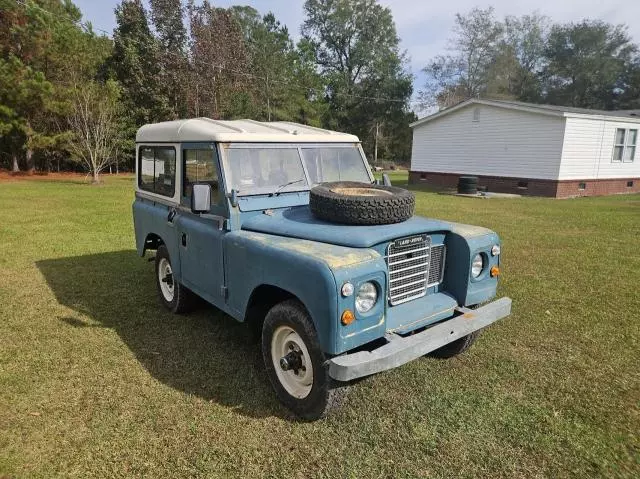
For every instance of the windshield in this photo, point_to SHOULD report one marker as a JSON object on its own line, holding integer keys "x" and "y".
{"x": 334, "y": 164}
{"x": 264, "y": 169}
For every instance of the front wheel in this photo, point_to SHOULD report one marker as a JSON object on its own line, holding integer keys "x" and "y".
{"x": 294, "y": 362}
{"x": 456, "y": 347}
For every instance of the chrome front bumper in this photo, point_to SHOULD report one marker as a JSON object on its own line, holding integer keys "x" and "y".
{"x": 400, "y": 350}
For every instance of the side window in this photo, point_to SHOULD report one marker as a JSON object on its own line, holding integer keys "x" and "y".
{"x": 157, "y": 167}
{"x": 624, "y": 147}
{"x": 200, "y": 166}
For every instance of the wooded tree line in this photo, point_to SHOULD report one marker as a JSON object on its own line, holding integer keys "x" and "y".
{"x": 590, "y": 64}
{"x": 72, "y": 96}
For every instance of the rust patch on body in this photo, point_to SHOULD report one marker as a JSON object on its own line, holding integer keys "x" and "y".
{"x": 334, "y": 256}
{"x": 468, "y": 231}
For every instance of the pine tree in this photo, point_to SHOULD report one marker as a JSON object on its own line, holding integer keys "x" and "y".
{"x": 219, "y": 63}
{"x": 31, "y": 102}
{"x": 172, "y": 37}
{"x": 135, "y": 64}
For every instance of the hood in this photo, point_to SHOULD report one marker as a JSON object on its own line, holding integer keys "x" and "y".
{"x": 298, "y": 222}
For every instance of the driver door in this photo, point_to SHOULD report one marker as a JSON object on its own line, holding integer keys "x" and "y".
{"x": 200, "y": 237}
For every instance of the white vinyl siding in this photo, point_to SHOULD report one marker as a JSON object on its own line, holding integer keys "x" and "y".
{"x": 488, "y": 140}
{"x": 590, "y": 148}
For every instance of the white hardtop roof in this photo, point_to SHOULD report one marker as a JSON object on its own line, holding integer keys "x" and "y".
{"x": 206, "y": 130}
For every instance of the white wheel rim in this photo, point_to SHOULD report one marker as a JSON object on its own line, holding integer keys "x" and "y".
{"x": 283, "y": 341}
{"x": 167, "y": 287}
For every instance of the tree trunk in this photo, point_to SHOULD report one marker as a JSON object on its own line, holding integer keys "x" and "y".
{"x": 31, "y": 167}
{"x": 375, "y": 147}
{"x": 96, "y": 179}
{"x": 15, "y": 168}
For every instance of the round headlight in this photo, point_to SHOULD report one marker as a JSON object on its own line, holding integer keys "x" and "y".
{"x": 347, "y": 289}
{"x": 477, "y": 265}
{"x": 366, "y": 297}
{"x": 495, "y": 250}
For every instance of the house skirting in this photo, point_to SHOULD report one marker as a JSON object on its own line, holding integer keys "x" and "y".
{"x": 533, "y": 186}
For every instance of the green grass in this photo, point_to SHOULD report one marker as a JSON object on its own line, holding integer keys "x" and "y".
{"x": 96, "y": 380}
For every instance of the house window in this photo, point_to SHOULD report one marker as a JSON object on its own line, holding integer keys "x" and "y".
{"x": 624, "y": 148}
{"x": 630, "y": 184}
{"x": 523, "y": 185}
{"x": 582, "y": 186}
{"x": 157, "y": 169}
{"x": 476, "y": 114}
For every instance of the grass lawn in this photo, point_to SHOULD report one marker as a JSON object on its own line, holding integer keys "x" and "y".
{"x": 96, "y": 380}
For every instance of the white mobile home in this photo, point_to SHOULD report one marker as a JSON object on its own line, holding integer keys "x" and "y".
{"x": 530, "y": 149}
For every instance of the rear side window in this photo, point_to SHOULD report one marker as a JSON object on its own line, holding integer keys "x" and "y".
{"x": 157, "y": 167}
{"x": 200, "y": 166}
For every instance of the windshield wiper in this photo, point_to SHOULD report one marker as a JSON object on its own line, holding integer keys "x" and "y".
{"x": 280, "y": 188}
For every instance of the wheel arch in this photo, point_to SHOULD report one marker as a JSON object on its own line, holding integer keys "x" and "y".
{"x": 151, "y": 242}
{"x": 262, "y": 299}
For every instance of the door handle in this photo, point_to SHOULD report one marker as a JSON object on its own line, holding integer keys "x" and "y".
{"x": 183, "y": 239}
{"x": 171, "y": 215}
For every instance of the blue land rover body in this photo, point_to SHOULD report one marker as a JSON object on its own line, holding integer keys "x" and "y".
{"x": 256, "y": 245}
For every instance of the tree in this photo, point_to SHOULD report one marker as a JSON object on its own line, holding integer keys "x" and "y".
{"x": 31, "y": 35}
{"x": 219, "y": 63}
{"x": 93, "y": 120}
{"x": 135, "y": 64}
{"x": 357, "y": 50}
{"x": 629, "y": 95}
{"x": 306, "y": 102}
{"x": 526, "y": 38}
{"x": 167, "y": 18}
{"x": 586, "y": 64}
{"x": 464, "y": 73}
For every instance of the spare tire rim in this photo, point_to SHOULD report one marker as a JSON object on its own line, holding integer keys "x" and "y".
{"x": 363, "y": 191}
{"x": 298, "y": 382}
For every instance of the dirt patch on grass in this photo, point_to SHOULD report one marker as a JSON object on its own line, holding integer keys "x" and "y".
{"x": 7, "y": 175}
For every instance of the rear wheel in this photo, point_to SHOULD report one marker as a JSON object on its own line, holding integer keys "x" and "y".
{"x": 294, "y": 362}
{"x": 175, "y": 297}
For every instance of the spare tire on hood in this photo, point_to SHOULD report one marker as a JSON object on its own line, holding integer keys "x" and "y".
{"x": 352, "y": 203}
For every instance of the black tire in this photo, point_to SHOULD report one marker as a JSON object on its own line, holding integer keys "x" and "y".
{"x": 325, "y": 393}
{"x": 353, "y": 203}
{"x": 182, "y": 300}
{"x": 468, "y": 185}
{"x": 456, "y": 347}
{"x": 468, "y": 180}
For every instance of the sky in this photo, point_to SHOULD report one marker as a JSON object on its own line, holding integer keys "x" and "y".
{"x": 423, "y": 26}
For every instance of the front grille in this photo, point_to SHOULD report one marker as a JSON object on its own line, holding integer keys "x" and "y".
{"x": 414, "y": 265}
{"x": 436, "y": 266}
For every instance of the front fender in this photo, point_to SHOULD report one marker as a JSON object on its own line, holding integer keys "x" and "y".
{"x": 301, "y": 267}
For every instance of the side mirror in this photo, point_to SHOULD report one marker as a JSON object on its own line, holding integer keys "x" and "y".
{"x": 385, "y": 180}
{"x": 201, "y": 198}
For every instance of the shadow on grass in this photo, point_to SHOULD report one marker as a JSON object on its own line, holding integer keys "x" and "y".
{"x": 206, "y": 353}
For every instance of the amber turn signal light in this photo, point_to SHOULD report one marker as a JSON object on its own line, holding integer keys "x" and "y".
{"x": 347, "y": 317}
{"x": 494, "y": 271}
